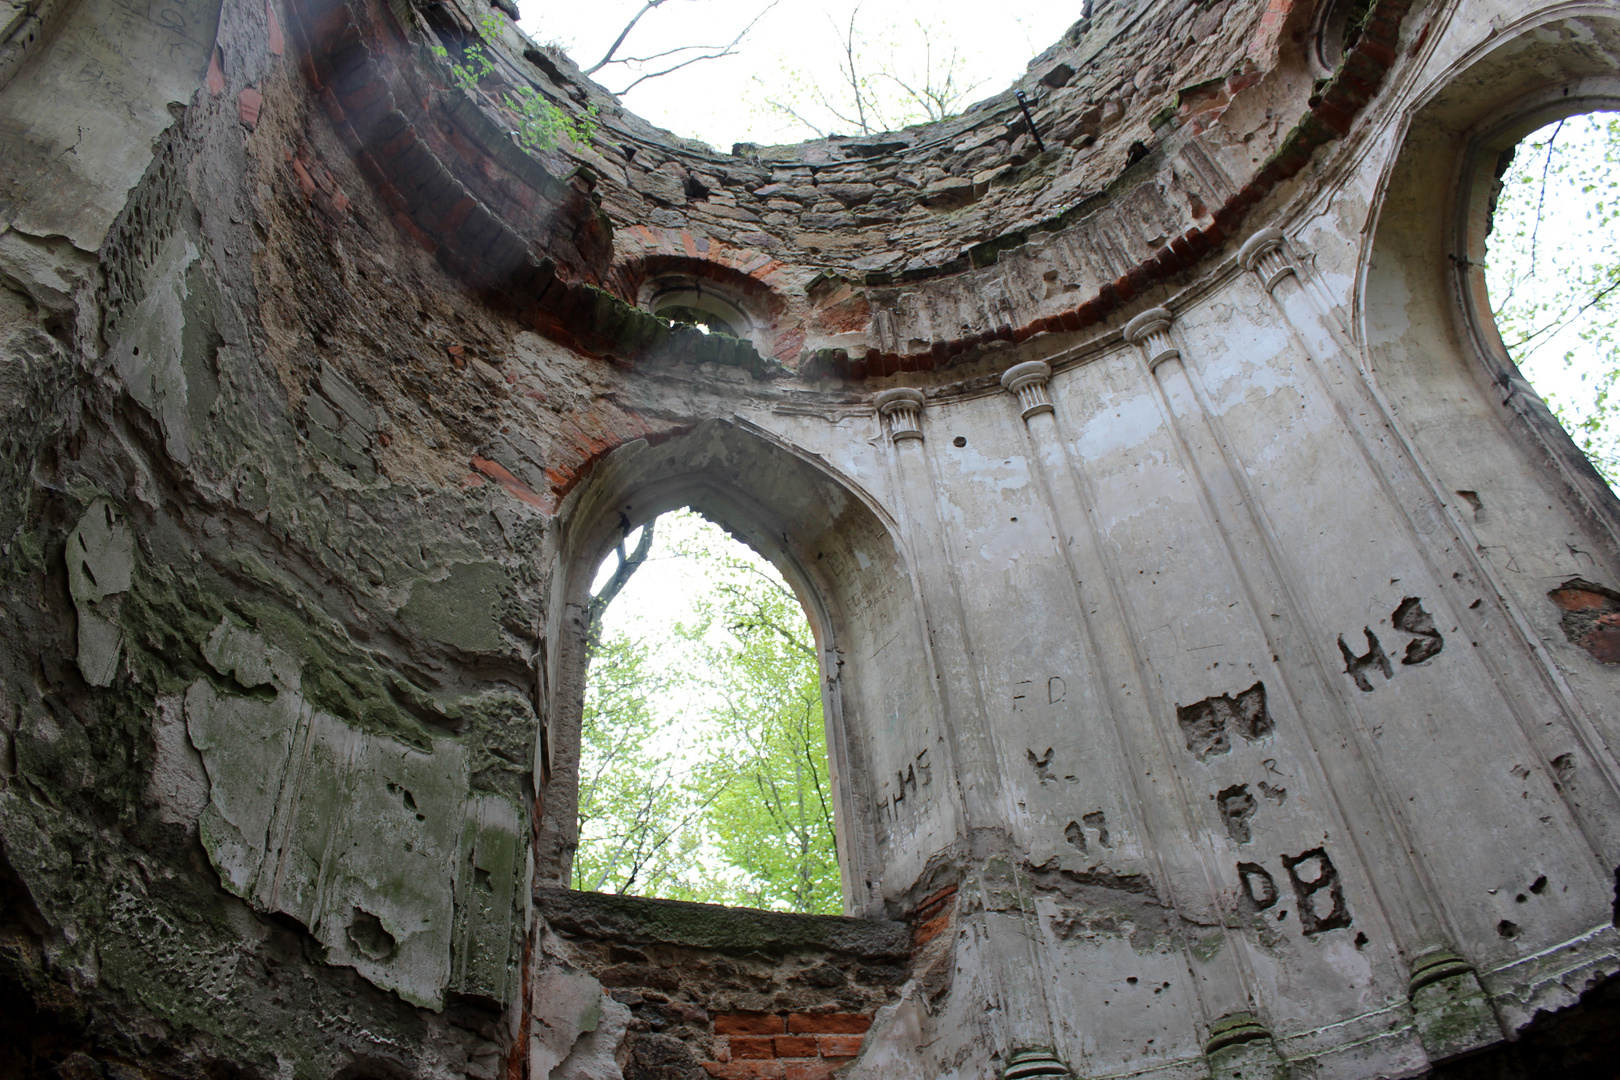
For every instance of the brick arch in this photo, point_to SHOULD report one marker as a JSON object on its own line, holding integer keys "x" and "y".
{"x": 749, "y": 278}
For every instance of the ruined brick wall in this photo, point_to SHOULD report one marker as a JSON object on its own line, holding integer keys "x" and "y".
{"x": 1216, "y": 630}
{"x": 735, "y": 993}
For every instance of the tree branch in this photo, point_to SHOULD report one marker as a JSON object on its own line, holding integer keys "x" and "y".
{"x": 722, "y": 51}
{"x": 607, "y": 58}
{"x": 1559, "y": 325}
{"x": 629, "y": 563}
{"x": 1535, "y": 228}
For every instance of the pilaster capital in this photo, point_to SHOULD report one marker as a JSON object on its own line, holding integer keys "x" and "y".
{"x": 903, "y": 406}
{"x": 1266, "y": 254}
{"x": 1152, "y": 321}
{"x": 1151, "y": 330}
{"x": 1028, "y": 381}
{"x": 1030, "y": 371}
{"x": 1268, "y": 239}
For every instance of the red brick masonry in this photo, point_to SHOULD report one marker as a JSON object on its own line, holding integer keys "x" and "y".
{"x": 798, "y": 1046}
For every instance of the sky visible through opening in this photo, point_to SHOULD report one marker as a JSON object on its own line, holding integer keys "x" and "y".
{"x": 703, "y": 756}
{"x": 794, "y": 49}
{"x": 1553, "y": 273}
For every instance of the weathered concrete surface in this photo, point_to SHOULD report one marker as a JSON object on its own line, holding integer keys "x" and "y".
{"x": 1216, "y": 630}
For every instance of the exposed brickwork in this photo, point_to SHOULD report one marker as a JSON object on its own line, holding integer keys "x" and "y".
{"x": 837, "y": 1046}
{"x": 1591, "y": 618}
{"x": 829, "y": 1023}
{"x": 749, "y": 1024}
{"x": 743, "y": 1047}
{"x": 749, "y": 993}
{"x": 812, "y": 1055}
{"x": 796, "y": 1046}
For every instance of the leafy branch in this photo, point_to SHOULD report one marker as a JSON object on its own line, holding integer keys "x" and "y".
{"x": 541, "y": 124}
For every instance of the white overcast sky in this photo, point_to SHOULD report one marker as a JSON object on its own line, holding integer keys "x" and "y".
{"x": 722, "y": 101}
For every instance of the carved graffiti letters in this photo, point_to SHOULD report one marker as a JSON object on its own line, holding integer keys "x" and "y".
{"x": 1075, "y": 831}
{"x": 1318, "y": 892}
{"x": 1259, "y": 888}
{"x": 1237, "y": 806}
{"x": 1208, "y": 725}
{"x": 1324, "y": 878}
{"x": 910, "y": 785}
{"x": 1374, "y": 659}
{"x": 1410, "y": 618}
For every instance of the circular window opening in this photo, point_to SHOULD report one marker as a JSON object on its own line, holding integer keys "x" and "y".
{"x": 1338, "y": 29}
{"x": 1552, "y": 273}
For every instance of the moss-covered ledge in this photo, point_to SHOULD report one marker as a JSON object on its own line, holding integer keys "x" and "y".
{"x": 639, "y": 920}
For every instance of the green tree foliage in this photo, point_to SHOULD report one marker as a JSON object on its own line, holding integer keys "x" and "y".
{"x": 1554, "y": 276}
{"x": 634, "y": 822}
{"x": 771, "y": 815}
{"x": 703, "y": 770}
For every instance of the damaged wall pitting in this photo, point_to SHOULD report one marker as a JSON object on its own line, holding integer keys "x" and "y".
{"x": 1222, "y": 988}
{"x": 1349, "y": 774}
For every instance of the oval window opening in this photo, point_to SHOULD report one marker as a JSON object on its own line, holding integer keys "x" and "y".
{"x": 703, "y": 768}
{"x": 1553, "y": 275}
{"x": 694, "y": 305}
{"x": 1338, "y": 29}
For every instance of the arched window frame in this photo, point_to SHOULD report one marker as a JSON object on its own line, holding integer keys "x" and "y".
{"x": 1476, "y": 189}
{"x": 706, "y": 296}
{"x": 602, "y": 513}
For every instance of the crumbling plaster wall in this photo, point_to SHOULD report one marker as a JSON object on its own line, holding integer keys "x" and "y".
{"x": 250, "y": 680}
{"x": 1198, "y": 675}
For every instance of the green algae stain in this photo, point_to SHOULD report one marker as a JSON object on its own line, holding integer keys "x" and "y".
{"x": 462, "y": 608}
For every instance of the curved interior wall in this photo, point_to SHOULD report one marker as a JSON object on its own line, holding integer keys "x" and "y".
{"x": 1214, "y": 641}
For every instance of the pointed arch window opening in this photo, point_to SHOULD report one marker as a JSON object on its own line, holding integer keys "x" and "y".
{"x": 703, "y": 768}
{"x": 1552, "y": 273}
